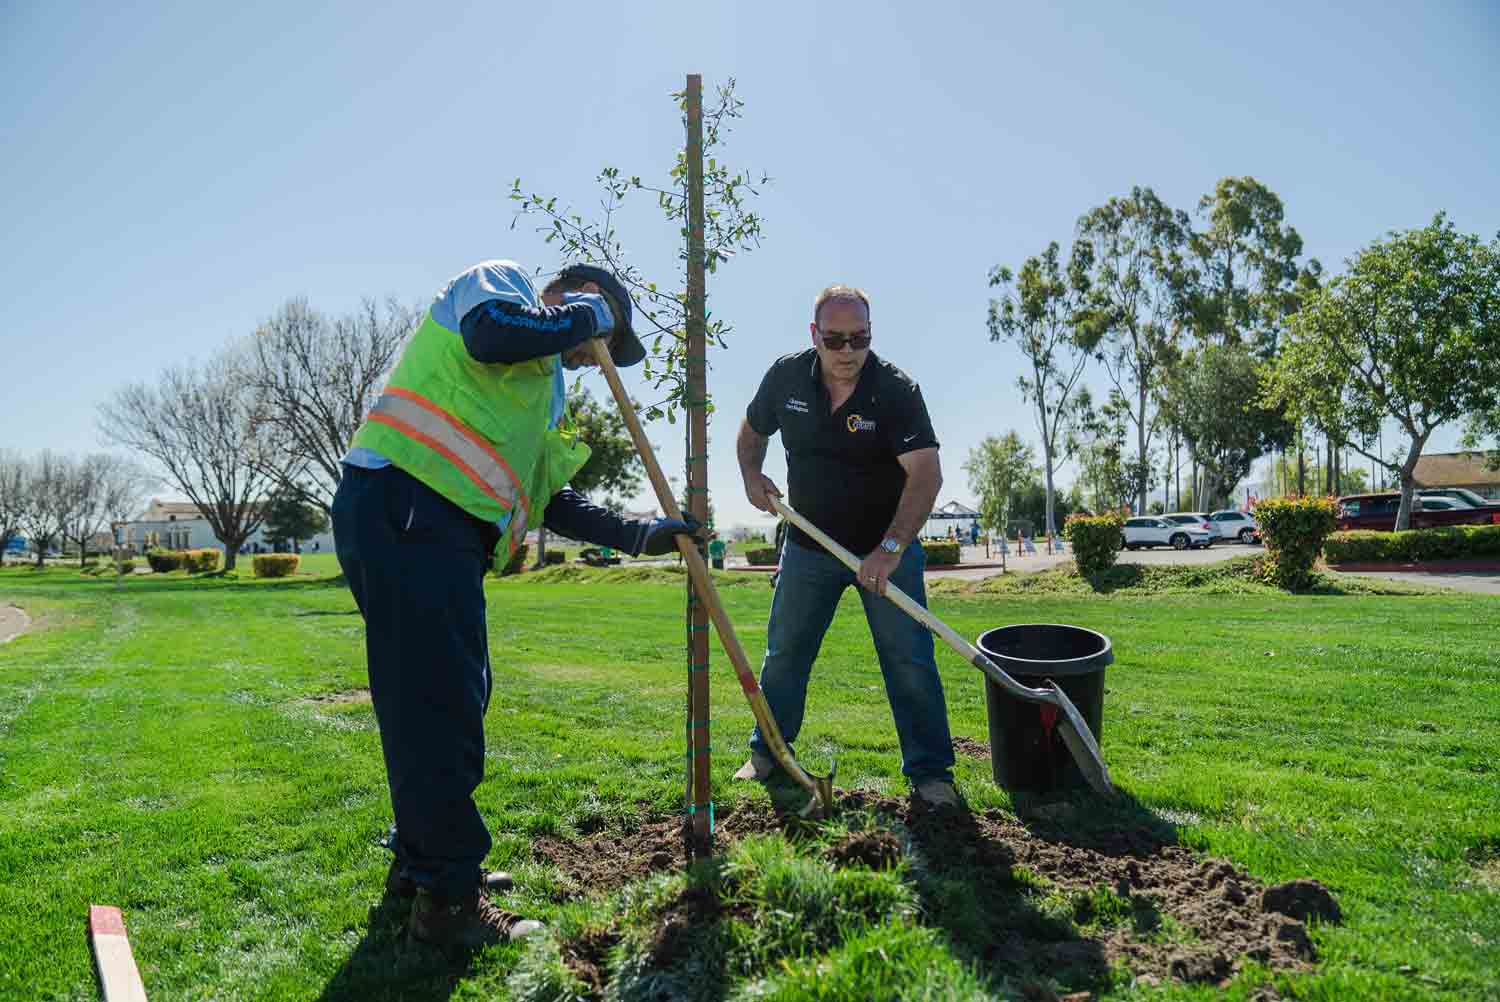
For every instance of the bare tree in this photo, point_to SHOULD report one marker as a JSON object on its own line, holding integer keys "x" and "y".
{"x": 12, "y": 497}
{"x": 48, "y": 488}
{"x": 314, "y": 380}
{"x": 103, "y": 489}
{"x": 200, "y": 424}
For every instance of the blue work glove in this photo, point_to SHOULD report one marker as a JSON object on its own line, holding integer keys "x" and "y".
{"x": 660, "y": 534}
{"x": 604, "y": 320}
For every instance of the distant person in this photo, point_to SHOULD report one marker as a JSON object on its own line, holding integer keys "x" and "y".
{"x": 862, "y": 465}
{"x": 463, "y": 453}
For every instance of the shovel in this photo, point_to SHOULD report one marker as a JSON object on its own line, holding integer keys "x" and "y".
{"x": 1070, "y": 723}
{"x": 820, "y": 787}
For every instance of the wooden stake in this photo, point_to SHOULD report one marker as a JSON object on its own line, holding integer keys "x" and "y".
{"x": 698, "y": 731}
{"x": 119, "y": 979}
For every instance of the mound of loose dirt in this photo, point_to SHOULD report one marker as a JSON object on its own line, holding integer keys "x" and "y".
{"x": 971, "y": 748}
{"x": 1181, "y": 916}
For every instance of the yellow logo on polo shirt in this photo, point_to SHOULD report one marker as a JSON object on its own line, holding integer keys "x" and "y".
{"x": 857, "y": 423}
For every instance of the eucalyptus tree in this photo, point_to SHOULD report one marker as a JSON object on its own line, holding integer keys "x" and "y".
{"x": 1140, "y": 298}
{"x": 1043, "y": 311}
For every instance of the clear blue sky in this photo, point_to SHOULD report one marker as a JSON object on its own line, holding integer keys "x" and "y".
{"x": 172, "y": 175}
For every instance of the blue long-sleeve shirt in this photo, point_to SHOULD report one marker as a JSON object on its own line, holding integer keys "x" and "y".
{"x": 494, "y": 307}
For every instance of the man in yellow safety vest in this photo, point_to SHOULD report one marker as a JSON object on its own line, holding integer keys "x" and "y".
{"x": 466, "y": 449}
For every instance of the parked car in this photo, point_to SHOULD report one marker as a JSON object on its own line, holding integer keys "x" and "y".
{"x": 1378, "y": 512}
{"x": 1156, "y": 530}
{"x": 1193, "y": 518}
{"x": 1239, "y": 525}
{"x": 1462, "y": 494}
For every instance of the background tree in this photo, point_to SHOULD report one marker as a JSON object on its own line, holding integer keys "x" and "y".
{"x": 104, "y": 489}
{"x": 1029, "y": 502}
{"x": 289, "y": 520}
{"x": 614, "y": 472}
{"x": 48, "y": 491}
{"x": 202, "y": 425}
{"x": 13, "y": 499}
{"x": 1213, "y": 399}
{"x": 1247, "y": 278}
{"x": 1042, "y": 312}
{"x": 1139, "y": 295}
{"x": 1109, "y": 476}
{"x": 313, "y": 381}
{"x": 996, "y": 468}
{"x": 1411, "y": 334}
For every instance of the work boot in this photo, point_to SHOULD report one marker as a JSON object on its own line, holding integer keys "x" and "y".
{"x": 937, "y": 793}
{"x": 467, "y": 922}
{"x": 404, "y": 887}
{"x": 757, "y": 767}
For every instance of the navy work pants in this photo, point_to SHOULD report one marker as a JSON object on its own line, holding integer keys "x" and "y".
{"x": 416, "y": 563}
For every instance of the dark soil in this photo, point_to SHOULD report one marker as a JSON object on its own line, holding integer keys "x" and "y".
{"x": 971, "y": 748}
{"x": 1171, "y": 914}
{"x": 588, "y": 956}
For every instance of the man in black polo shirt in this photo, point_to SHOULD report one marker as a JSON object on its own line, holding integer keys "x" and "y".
{"x": 862, "y": 465}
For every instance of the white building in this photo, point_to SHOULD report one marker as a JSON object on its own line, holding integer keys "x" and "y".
{"x": 179, "y": 525}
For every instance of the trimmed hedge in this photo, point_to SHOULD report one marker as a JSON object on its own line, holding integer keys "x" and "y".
{"x": 164, "y": 561}
{"x": 1294, "y": 530}
{"x": 1096, "y": 541}
{"x": 275, "y": 565}
{"x": 761, "y": 556}
{"x": 200, "y": 561}
{"x": 555, "y": 557}
{"x": 941, "y": 552}
{"x": 1451, "y": 542}
{"x": 127, "y": 567}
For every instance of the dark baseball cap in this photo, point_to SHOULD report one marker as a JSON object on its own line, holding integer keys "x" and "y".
{"x": 624, "y": 347}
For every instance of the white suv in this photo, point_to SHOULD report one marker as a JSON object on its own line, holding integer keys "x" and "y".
{"x": 1236, "y": 525}
{"x": 1153, "y": 530}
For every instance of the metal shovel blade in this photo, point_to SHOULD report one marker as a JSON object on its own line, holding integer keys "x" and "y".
{"x": 1080, "y": 741}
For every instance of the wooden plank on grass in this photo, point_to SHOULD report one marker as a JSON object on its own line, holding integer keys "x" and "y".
{"x": 119, "y": 979}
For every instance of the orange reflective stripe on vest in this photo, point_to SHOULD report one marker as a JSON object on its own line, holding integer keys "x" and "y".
{"x": 423, "y": 421}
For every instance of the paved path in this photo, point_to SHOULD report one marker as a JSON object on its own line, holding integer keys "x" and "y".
{"x": 13, "y": 623}
{"x": 1042, "y": 560}
{"x": 1479, "y": 582}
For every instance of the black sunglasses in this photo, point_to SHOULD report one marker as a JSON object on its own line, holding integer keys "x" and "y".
{"x": 859, "y": 340}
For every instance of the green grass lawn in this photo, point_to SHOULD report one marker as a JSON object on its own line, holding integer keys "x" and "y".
{"x": 166, "y": 746}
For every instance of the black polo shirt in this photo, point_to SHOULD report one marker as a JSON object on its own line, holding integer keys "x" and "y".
{"x": 842, "y": 471}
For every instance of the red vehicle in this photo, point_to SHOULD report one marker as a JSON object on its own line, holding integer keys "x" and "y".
{"x": 1378, "y": 512}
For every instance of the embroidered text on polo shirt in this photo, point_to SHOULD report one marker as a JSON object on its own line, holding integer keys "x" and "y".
{"x": 857, "y": 423}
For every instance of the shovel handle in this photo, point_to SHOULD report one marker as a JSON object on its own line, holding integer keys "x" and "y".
{"x": 916, "y": 611}
{"x": 698, "y": 572}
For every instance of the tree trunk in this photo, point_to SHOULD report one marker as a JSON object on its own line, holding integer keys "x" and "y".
{"x": 230, "y": 552}
{"x": 1409, "y": 481}
{"x": 1051, "y": 507}
{"x": 1142, "y": 477}
{"x": 1301, "y": 471}
{"x": 541, "y": 548}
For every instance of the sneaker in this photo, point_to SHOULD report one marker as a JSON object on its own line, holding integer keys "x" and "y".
{"x": 404, "y": 887}
{"x": 466, "y": 923}
{"x": 937, "y": 792}
{"x": 757, "y": 767}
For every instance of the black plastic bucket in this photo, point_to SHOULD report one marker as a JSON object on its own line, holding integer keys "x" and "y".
{"x": 1025, "y": 753}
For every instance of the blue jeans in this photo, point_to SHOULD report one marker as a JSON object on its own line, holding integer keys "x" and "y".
{"x": 807, "y": 594}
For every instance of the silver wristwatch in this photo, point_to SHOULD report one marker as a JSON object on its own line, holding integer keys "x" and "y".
{"x": 891, "y": 546}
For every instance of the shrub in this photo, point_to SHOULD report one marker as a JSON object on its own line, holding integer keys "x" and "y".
{"x": 517, "y": 562}
{"x": 127, "y": 567}
{"x": 1096, "y": 541}
{"x": 1454, "y": 542}
{"x": 761, "y": 556}
{"x": 200, "y": 561}
{"x": 164, "y": 561}
{"x": 555, "y": 557}
{"x": 1294, "y": 530}
{"x": 946, "y": 552}
{"x": 275, "y": 565}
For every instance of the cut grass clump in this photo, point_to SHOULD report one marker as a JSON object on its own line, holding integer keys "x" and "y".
{"x": 894, "y": 961}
